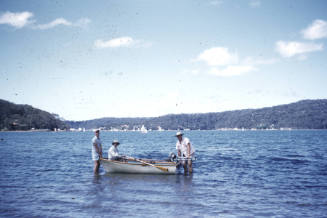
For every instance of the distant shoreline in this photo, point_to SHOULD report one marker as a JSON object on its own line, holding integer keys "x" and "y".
{"x": 222, "y": 130}
{"x": 305, "y": 114}
{"x": 38, "y": 130}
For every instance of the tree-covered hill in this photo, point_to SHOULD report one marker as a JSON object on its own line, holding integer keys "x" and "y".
{"x": 306, "y": 114}
{"x": 25, "y": 117}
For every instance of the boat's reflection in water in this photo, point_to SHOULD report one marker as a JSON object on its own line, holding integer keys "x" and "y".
{"x": 143, "y": 183}
{"x": 160, "y": 192}
{"x": 119, "y": 179}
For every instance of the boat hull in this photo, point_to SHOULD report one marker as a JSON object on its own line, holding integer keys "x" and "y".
{"x": 134, "y": 167}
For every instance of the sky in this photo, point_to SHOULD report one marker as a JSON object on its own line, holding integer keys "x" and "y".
{"x": 143, "y": 58}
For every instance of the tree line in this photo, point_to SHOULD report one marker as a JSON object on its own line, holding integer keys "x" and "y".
{"x": 305, "y": 114}
{"x": 25, "y": 117}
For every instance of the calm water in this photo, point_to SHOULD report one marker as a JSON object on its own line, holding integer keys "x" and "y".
{"x": 237, "y": 174}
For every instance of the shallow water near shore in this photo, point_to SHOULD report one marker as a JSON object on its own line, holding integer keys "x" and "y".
{"x": 237, "y": 174}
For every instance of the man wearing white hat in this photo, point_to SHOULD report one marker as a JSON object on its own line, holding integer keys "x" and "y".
{"x": 185, "y": 150}
{"x": 113, "y": 151}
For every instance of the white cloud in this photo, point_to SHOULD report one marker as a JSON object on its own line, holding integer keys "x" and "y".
{"x": 17, "y": 20}
{"x": 56, "y": 22}
{"x": 124, "y": 41}
{"x": 61, "y": 21}
{"x": 232, "y": 70}
{"x": 218, "y": 56}
{"x": 290, "y": 49}
{"x": 255, "y": 3}
{"x": 222, "y": 62}
{"x": 22, "y": 19}
{"x": 317, "y": 30}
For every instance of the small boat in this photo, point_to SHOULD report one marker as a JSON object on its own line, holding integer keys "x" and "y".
{"x": 138, "y": 166}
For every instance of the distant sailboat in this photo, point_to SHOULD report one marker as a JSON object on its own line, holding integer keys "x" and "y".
{"x": 143, "y": 129}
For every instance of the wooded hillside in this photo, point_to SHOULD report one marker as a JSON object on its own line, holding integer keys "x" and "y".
{"x": 306, "y": 114}
{"x": 26, "y": 117}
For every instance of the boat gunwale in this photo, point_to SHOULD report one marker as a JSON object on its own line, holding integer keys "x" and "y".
{"x": 157, "y": 163}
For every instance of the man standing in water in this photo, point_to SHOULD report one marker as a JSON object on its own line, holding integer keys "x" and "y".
{"x": 185, "y": 150}
{"x": 96, "y": 151}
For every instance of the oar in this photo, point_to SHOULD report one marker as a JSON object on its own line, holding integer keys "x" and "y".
{"x": 141, "y": 161}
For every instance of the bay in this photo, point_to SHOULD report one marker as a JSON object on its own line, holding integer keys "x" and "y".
{"x": 237, "y": 174}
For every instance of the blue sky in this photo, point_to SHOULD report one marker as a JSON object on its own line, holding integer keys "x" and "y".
{"x": 92, "y": 59}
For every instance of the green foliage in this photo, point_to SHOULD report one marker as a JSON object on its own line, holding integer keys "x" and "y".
{"x": 25, "y": 117}
{"x": 306, "y": 114}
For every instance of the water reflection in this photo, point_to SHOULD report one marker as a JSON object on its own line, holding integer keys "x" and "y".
{"x": 147, "y": 178}
{"x": 151, "y": 188}
{"x": 177, "y": 183}
{"x": 96, "y": 178}
{"x": 184, "y": 183}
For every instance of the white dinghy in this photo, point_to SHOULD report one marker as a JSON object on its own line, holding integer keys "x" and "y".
{"x": 140, "y": 166}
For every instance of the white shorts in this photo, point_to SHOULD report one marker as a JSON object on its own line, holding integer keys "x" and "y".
{"x": 185, "y": 161}
{"x": 95, "y": 156}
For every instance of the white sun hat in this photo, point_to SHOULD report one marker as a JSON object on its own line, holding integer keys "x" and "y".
{"x": 115, "y": 142}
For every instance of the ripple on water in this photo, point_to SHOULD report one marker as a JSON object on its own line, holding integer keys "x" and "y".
{"x": 237, "y": 174}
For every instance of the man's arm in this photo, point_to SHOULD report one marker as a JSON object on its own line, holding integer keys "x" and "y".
{"x": 188, "y": 149}
{"x": 178, "y": 150}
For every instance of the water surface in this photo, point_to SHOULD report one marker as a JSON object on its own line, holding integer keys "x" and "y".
{"x": 237, "y": 174}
